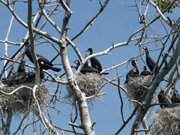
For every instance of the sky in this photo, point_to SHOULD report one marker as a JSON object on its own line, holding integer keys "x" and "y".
{"x": 114, "y": 25}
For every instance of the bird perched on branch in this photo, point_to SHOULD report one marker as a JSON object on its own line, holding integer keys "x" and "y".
{"x": 134, "y": 72}
{"x": 163, "y": 100}
{"x": 85, "y": 68}
{"x": 95, "y": 63}
{"x": 42, "y": 61}
{"x": 153, "y": 67}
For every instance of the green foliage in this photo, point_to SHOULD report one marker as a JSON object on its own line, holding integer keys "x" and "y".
{"x": 164, "y": 5}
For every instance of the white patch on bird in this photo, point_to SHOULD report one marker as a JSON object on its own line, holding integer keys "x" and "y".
{"x": 42, "y": 62}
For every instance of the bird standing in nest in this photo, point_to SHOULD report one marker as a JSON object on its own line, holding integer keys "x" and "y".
{"x": 18, "y": 77}
{"x": 145, "y": 72}
{"x": 134, "y": 72}
{"x": 21, "y": 72}
{"x": 30, "y": 76}
{"x": 85, "y": 68}
{"x": 42, "y": 61}
{"x": 153, "y": 67}
{"x": 175, "y": 97}
{"x": 164, "y": 100}
{"x": 95, "y": 63}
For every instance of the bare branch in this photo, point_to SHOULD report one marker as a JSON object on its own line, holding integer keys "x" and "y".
{"x": 6, "y": 39}
{"x": 161, "y": 14}
{"x": 141, "y": 113}
{"x": 31, "y": 39}
{"x": 65, "y": 6}
{"x": 90, "y": 23}
{"x": 83, "y": 107}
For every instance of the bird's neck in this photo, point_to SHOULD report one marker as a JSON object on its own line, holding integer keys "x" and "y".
{"x": 90, "y": 52}
{"x": 147, "y": 54}
{"x": 136, "y": 69}
{"x": 135, "y": 66}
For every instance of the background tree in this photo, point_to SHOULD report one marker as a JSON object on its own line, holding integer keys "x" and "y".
{"x": 43, "y": 91}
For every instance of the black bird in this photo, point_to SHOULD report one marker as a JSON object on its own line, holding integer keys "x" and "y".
{"x": 153, "y": 67}
{"x": 175, "y": 97}
{"x": 16, "y": 78}
{"x": 21, "y": 72}
{"x": 21, "y": 68}
{"x": 43, "y": 62}
{"x": 85, "y": 68}
{"x": 95, "y": 63}
{"x": 134, "y": 72}
{"x": 163, "y": 100}
{"x": 30, "y": 76}
{"x": 145, "y": 72}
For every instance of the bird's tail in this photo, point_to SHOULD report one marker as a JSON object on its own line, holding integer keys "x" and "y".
{"x": 56, "y": 69}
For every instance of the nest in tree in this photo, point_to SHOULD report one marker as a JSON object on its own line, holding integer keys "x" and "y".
{"x": 167, "y": 122}
{"x": 22, "y": 100}
{"x": 89, "y": 83}
{"x": 137, "y": 87}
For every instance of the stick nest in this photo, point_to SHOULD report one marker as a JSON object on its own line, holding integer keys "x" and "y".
{"x": 22, "y": 101}
{"x": 89, "y": 83}
{"x": 167, "y": 122}
{"x": 137, "y": 87}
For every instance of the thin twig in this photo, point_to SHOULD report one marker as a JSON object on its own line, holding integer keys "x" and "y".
{"x": 90, "y": 23}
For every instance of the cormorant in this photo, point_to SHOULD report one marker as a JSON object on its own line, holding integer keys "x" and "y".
{"x": 134, "y": 72}
{"x": 86, "y": 68}
{"x": 95, "y": 63}
{"x": 30, "y": 76}
{"x": 43, "y": 62}
{"x": 21, "y": 73}
{"x": 175, "y": 97}
{"x": 163, "y": 100}
{"x": 16, "y": 78}
{"x": 145, "y": 72}
{"x": 150, "y": 62}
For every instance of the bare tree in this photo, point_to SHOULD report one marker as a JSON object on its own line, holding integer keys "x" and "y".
{"x": 32, "y": 85}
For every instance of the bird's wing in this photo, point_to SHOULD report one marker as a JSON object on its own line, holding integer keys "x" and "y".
{"x": 96, "y": 64}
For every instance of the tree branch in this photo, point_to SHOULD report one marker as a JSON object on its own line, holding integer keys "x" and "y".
{"x": 142, "y": 111}
{"x": 31, "y": 39}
